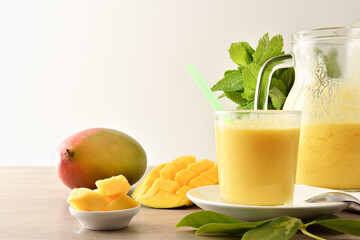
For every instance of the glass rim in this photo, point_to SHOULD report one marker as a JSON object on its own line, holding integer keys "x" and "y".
{"x": 351, "y": 31}
{"x": 259, "y": 111}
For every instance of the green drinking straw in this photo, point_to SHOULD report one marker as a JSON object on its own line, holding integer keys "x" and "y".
{"x": 204, "y": 88}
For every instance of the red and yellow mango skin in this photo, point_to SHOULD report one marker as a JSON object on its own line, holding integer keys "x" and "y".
{"x": 99, "y": 153}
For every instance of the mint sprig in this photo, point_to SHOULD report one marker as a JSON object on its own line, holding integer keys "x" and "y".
{"x": 273, "y": 229}
{"x": 239, "y": 85}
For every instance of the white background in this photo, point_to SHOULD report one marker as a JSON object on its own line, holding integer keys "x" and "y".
{"x": 70, "y": 65}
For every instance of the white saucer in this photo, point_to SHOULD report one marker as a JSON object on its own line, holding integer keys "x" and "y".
{"x": 208, "y": 198}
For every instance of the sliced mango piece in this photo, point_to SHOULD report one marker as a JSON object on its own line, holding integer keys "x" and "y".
{"x": 87, "y": 200}
{"x": 184, "y": 176}
{"x": 162, "y": 184}
{"x": 123, "y": 201}
{"x": 211, "y": 174}
{"x": 164, "y": 199}
{"x": 199, "y": 181}
{"x": 168, "y": 172}
{"x": 200, "y": 166}
{"x": 173, "y": 181}
{"x": 183, "y": 162}
{"x": 182, "y": 193}
{"x": 113, "y": 186}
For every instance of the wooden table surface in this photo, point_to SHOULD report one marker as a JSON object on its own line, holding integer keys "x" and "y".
{"x": 33, "y": 206}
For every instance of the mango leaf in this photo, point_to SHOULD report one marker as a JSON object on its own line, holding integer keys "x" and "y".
{"x": 267, "y": 49}
{"x": 236, "y": 97}
{"x": 250, "y": 74}
{"x": 277, "y": 83}
{"x": 198, "y": 219}
{"x": 281, "y": 228}
{"x": 239, "y": 54}
{"x": 277, "y": 98}
{"x": 231, "y": 82}
{"x": 248, "y": 93}
{"x": 348, "y": 226}
{"x": 229, "y": 228}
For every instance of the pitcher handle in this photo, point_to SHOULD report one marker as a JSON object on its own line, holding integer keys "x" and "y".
{"x": 265, "y": 75}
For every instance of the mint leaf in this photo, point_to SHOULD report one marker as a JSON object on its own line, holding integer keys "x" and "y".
{"x": 288, "y": 77}
{"x": 333, "y": 68}
{"x": 239, "y": 54}
{"x": 248, "y": 106}
{"x": 277, "y": 83}
{"x": 248, "y": 48}
{"x": 267, "y": 49}
{"x": 231, "y": 82}
{"x": 236, "y": 97}
{"x": 248, "y": 93}
{"x": 222, "y": 96}
{"x": 277, "y": 98}
{"x": 229, "y": 72}
{"x": 198, "y": 219}
{"x": 250, "y": 74}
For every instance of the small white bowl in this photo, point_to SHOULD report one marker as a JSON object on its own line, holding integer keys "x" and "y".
{"x": 104, "y": 220}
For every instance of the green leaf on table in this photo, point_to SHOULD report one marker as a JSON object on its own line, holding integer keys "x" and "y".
{"x": 250, "y": 74}
{"x": 239, "y": 54}
{"x": 231, "y": 82}
{"x": 326, "y": 217}
{"x": 229, "y": 228}
{"x": 348, "y": 226}
{"x": 236, "y": 97}
{"x": 281, "y": 228}
{"x": 248, "y": 93}
{"x": 267, "y": 48}
{"x": 277, "y": 98}
{"x": 198, "y": 219}
{"x": 277, "y": 83}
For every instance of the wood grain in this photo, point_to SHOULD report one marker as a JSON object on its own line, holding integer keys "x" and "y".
{"x": 33, "y": 206}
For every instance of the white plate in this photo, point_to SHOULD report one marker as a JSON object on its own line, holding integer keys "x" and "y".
{"x": 208, "y": 198}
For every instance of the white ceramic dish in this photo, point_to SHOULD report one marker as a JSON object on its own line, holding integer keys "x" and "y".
{"x": 104, "y": 220}
{"x": 208, "y": 198}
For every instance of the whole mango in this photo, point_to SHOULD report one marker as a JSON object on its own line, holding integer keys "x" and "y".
{"x": 99, "y": 153}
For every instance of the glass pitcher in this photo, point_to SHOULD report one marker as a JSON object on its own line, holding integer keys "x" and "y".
{"x": 327, "y": 90}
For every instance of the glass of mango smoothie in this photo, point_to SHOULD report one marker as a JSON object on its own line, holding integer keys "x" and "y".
{"x": 257, "y": 156}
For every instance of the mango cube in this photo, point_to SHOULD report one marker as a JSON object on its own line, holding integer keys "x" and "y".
{"x": 121, "y": 202}
{"x": 87, "y": 200}
{"x": 113, "y": 186}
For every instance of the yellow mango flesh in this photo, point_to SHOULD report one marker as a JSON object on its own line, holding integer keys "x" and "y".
{"x": 87, "y": 200}
{"x": 113, "y": 186}
{"x": 166, "y": 185}
{"x": 121, "y": 202}
{"x": 110, "y": 195}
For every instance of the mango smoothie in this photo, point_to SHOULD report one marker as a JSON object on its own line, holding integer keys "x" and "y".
{"x": 257, "y": 161}
{"x": 329, "y": 155}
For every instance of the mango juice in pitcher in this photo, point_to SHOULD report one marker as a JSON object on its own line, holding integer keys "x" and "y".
{"x": 327, "y": 90}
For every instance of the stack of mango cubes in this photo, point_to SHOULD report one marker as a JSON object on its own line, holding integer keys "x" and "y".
{"x": 110, "y": 195}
